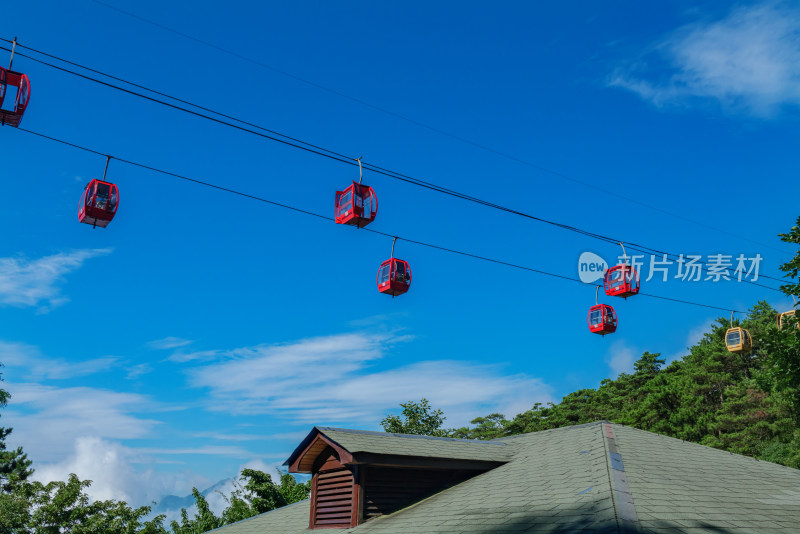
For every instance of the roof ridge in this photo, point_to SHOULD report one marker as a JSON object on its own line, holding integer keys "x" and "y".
{"x": 409, "y": 436}
{"x": 624, "y": 506}
{"x": 560, "y": 428}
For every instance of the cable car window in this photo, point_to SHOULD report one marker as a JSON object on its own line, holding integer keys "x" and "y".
{"x": 733, "y": 338}
{"x": 11, "y": 92}
{"x": 24, "y": 92}
{"x": 383, "y": 276}
{"x": 344, "y": 202}
{"x": 101, "y": 201}
{"x": 400, "y": 273}
{"x": 596, "y": 317}
{"x": 112, "y": 201}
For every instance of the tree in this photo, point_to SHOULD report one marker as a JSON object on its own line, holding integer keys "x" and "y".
{"x": 14, "y": 464}
{"x": 203, "y": 520}
{"x": 257, "y": 493}
{"x": 792, "y": 267}
{"x": 417, "y": 418}
{"x": 254, "y": 493}
{"x": 783, "y": 345}
{"x": 64, "y": 507}
{"x": 489, "y": 427}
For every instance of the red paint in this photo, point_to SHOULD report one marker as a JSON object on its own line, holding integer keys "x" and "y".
{"x": 99, "y": 203}
{"x": 394, "y": 277}
{"x": 12, "y": 115}
{"x": 602, "y": 319}
{"x": 357, "y": 205}
{"x": 621, "y": 281}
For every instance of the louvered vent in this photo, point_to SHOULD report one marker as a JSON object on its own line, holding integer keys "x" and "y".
{"x": 333, "y": 499}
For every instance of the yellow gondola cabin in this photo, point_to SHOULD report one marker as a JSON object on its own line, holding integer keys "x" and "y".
{"x": 738, "y": 340}
{"x": 783, "y": 318}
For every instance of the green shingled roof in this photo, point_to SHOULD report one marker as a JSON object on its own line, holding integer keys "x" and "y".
{"x": 598, "y": 477}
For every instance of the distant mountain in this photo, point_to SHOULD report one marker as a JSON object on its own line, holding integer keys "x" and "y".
{"x": 172, "y": 504}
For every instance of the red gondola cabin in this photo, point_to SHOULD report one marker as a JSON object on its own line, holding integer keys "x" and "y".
{"x": 394, "y": 277}
{"x": 602, "y": 319}
{"x": 11, "y": 114}
{"x": 357, "y": 205}
{"x": 99, "y": 203}
{"x": 621, "y": 281}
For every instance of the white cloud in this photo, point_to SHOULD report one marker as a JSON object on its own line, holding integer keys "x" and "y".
{"x": 169, "y": 343}
{"x": 332, "y": 380}
{"x": 35, "y": 283}
{"x": 749, "y": 61}
{"x": 78, "y": 430}
{"x": 36, "y": 366}
{"x": 117, "y": 472}
{"x": 46, "y": 419}
{"x": 620, "y": 358}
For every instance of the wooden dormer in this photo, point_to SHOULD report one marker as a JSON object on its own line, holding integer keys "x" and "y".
{"x": 358, "y": 475}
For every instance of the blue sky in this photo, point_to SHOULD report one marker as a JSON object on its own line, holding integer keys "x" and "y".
{"x": 202, "y": 332}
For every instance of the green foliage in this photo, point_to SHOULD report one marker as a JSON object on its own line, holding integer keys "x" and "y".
{"x": 417, "y": 418}
{"x": 255, "y": 494}
{"x": 14, "y": 464}
{"x": 792, "y": 267}
{"x": 485, "y": 427}
{"x": 203, "y": 520}
{"x": 64, "y": 507}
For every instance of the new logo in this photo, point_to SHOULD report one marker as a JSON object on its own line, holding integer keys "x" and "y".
{"x": 591, "y": 267}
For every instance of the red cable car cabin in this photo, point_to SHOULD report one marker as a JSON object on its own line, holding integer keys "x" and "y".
{"x": 602, "y": 319}
{"x": 357, "y": 205}
{"x": 99, "y": 203}
{"x": 394, "y": 277}
{"x": 12, "y": 114}
{"x": 621, "y": 281}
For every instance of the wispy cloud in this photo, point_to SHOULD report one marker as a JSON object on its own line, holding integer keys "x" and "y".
{"x": 335, "y": 380}
{"x": 221, "y": 436}
{"x": 748, "y": 61}
{"x": 169, "y": 343}
{"x": 621, "y": 357}
{"x": 36, "y": 283}
{"x": 36, "y": 366}
{"x": 138, "y": 370}
{"x": 213, "y": 450}
{"x": 693, "y": 337}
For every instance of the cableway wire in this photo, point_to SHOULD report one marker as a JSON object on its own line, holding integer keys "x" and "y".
{"x": 371, "y": 230}
{"x": 316, "y": 149}
{"x": 427, "y": 126}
